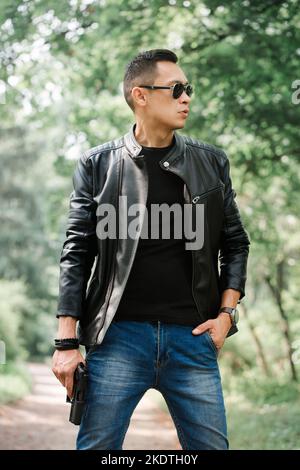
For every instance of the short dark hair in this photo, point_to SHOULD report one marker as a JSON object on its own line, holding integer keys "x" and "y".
{"x": 143, "y": 69}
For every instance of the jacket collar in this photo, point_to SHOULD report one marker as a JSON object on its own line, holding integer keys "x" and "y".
{"x": 134, "y": 147}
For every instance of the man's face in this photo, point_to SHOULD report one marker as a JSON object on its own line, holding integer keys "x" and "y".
{"x": 158, "y": 106}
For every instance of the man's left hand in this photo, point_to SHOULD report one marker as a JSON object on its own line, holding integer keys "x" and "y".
{"x": 217, "y": 328}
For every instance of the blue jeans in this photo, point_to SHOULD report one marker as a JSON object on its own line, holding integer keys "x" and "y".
{"x": 136, "y": 356}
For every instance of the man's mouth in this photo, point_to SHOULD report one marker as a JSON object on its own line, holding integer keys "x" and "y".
{"x": 184, "y": 112}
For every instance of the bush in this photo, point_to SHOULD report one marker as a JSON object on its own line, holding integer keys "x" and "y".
{"x": 15, "y": 382}
{"x": 269, "y": 391}
{"x": 12, "y": 300}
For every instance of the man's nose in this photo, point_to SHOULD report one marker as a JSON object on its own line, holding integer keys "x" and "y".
{"x": 184, "y": 98}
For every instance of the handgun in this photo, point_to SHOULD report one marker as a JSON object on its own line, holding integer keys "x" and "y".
{"x": 79, "y": 394}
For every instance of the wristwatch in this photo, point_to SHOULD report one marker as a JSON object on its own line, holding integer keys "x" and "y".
{"x": 233, "y": 312}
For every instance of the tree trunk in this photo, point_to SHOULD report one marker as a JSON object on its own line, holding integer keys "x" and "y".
{"x": 276, "y": 289}
{"x": 258, "y": 344}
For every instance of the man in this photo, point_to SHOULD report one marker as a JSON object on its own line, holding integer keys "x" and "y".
{"x": 153, "y": 313}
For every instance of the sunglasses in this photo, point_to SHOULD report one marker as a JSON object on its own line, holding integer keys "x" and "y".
{"x": 178, "y": 89}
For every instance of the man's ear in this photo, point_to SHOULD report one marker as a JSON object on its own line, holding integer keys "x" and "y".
{"x": 139, "y": 96}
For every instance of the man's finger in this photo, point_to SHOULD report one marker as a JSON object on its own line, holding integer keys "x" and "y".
{"x": 69, "y": 387}
{"x": 62, "y": 379}
{"x": 202, "y": 328}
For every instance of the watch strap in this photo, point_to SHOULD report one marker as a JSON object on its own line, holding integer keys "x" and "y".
{"x": 226, "y": 309}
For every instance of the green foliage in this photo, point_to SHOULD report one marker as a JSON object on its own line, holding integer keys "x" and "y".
{"x": 270, "y": 391}
{"x": 38, "y": 329}
{"x": 270, "y": 427}
{"x": 12, "y": 300}
{"x": 15, "y": 382}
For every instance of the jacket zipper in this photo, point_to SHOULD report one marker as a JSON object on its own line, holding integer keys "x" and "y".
{"x": 196, "y": 198}
{"x": 193, "y": 258}
{"x": 115, "y": 252}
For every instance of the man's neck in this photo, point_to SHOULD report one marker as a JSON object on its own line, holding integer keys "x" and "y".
{"x": 153, "y": 138}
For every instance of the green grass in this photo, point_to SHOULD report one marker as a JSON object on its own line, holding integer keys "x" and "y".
{"x": 269, "y": 427}
{"x": 263, "y": 413}
{"x": 15, "y": 382}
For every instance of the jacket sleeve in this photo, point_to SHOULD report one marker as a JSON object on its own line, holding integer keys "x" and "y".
{"x": 80, "y": 246}
{"x": 234, "y": 247}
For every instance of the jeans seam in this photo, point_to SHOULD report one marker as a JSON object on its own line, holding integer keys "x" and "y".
{"x": 180, "y": 431}
{"x": 157, "y": 357}
{"x": 124, "y": 433}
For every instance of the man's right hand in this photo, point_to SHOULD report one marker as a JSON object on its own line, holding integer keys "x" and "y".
{"x": 64, "y": 364}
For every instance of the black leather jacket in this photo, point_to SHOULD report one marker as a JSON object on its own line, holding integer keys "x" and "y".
{"x": 116, "y": 168}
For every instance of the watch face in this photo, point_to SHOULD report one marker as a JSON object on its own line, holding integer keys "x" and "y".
{"x": 236, "y": 315}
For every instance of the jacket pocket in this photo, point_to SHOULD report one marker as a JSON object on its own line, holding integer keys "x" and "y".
{"x": 211, "y": 191}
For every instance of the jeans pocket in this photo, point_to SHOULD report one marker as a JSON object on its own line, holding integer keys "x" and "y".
{"x": 89, "y": 350}
{"x": 211, "y": 342}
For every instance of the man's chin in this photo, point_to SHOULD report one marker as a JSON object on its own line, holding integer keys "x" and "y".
{"x": 179, "y": 126}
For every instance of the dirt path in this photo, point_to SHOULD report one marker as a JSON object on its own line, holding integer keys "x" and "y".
{"x": 40, "y": 420}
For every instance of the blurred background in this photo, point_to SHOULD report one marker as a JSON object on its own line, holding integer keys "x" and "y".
{"x": 62, "y": 66}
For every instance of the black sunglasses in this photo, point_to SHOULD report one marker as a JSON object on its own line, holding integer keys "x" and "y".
{"x": 178, "y": 89}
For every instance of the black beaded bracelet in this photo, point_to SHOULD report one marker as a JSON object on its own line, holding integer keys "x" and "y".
{"x": 66, "y": 343}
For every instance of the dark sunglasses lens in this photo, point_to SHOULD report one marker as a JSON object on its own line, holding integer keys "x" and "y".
{"x": 179, "y": 88}
{"x": 189, "y": 90}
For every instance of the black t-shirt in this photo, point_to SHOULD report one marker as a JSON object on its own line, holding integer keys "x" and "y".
{"x": 159, "y": 286}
